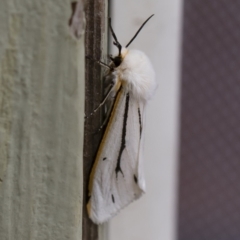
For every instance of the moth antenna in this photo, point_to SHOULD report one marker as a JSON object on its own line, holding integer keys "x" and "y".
{"x": 138, "y": 31}
{"x": 116, "y": 43}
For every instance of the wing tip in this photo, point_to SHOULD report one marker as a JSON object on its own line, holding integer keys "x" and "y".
{"x": 101, "y": 218}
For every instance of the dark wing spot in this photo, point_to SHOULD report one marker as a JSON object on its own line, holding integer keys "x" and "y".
{"x": 123, "y": 140}
{"x": 113, "y": 200}
{"x": 140, "y": 121}
{"x": 135, "y": 179}
{"x": 104, "y": 158}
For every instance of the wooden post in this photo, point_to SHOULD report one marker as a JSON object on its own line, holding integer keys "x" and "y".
{"x": 96, "y": 47}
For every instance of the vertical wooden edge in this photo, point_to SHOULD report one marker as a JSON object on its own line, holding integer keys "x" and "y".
{"x": 96, "y": 47}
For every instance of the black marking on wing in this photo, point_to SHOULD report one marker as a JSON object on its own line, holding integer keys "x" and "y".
{"x": 113, "y": 199}
{"x": 123, "y": 141}
{"x": 135, "y": 179}
{"x": 140, "y": 121}
{"x": 104, "y": 158}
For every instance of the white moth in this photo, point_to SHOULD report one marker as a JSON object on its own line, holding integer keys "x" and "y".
{"x": 117, "y": 176}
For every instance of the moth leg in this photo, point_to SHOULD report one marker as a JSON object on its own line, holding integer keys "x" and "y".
{"x": 100, "y": 63}
{"x": 106, "y": 117}
{"x": 104, "y": 100}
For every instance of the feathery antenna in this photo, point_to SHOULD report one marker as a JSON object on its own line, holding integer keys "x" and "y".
{"x": 138, "y": 31}
{"x": 116, "y": 43}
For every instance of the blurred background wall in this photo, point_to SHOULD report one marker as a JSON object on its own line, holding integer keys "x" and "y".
{"x": 209, "y": 176}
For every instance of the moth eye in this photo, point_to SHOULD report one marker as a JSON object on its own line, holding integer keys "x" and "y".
{"x": 113, "y": 199}
{"x": 117, "y": 61}
{"x": 104, "y": 158}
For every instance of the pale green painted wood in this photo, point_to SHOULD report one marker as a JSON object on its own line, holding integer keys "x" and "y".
{"x": 41, "y": 122}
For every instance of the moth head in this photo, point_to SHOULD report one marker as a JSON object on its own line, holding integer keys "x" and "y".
{"x": 117, "y": 60}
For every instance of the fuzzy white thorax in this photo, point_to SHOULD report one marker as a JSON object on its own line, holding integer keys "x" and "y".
{"x": 137, "y": 72}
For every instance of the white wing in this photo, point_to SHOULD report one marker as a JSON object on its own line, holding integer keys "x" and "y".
{"x": 117, "y": 176}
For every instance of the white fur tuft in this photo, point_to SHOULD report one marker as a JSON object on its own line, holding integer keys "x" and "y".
{"x": 137, "y": 72}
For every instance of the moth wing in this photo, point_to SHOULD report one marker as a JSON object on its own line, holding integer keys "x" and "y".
{"x": 117, "y": 175}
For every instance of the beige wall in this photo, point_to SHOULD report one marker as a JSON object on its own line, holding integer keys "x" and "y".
{"x": 154, "y": 215}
